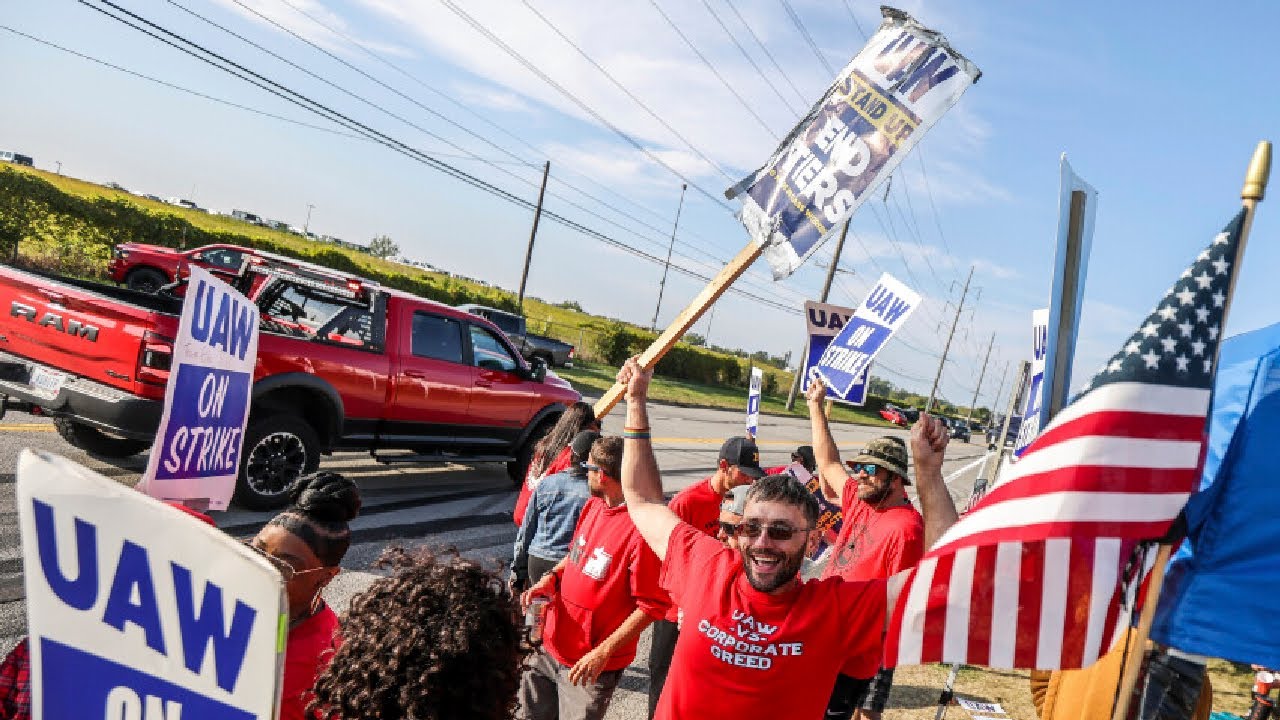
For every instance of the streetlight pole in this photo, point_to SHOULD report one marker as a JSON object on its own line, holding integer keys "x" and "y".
{"x": 665, "y": 268}
{"x": 307, "y": 225}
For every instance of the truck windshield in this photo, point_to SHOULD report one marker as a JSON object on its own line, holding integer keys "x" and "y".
{"x": 317, "y": 315}
{"x": 506, "y": 323}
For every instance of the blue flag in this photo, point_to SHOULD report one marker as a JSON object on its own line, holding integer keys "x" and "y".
{"x": 1222, "y": 594}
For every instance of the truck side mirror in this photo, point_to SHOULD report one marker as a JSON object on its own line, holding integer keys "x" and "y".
{"x": 538, "y": 369}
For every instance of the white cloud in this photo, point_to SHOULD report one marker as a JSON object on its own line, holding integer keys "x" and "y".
{"x": 491, "y": 98}
{"x": 293, "y": 16}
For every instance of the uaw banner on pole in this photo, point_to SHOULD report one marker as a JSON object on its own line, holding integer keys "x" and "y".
{"x": 847, "y": 358}
{"x": 1029, "y": 428}
{"x": 196, "y": 455}
{"x": 878, "y": 108}
{"x": 753, "y": 401}
{"x": 136, "y": 609}
{"x": 824, "y": 322}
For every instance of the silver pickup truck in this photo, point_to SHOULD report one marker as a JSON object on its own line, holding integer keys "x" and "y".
{"x": 553, "y": 352}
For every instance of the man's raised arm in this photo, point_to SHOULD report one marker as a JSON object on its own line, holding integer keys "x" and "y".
{"x": 641, "y": 482}
{"x": 831, "y": 471}
{"x": 928, "y": 447}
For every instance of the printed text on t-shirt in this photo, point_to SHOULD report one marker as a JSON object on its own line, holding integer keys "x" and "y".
{"x": 747, "y": 644}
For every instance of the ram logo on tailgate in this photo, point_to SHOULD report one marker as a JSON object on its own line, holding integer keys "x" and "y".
{"x": 54, "y": 320}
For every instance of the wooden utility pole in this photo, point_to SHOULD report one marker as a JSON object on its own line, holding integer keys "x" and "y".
{"x": 685, "y": 320}
{"x": 933, "y": 392}
{"x": 826, "y": 292}
{"x": 981, "y": 374}
{"x": 528, "y": 253}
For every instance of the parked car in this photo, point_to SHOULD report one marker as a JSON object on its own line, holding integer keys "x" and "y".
{"x": 959, "y": 429}
{"x": 147, "y": 268}
{"x": 910, "y": 414}
{"x": 343, "y": 364}
{"x": 553, "y": 352}
{"x": 893, "y": 414}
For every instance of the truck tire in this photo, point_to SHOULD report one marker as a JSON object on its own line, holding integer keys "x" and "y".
{"x": 546, "y": 358}
{"x": 517, "y": 469}
{"x": 96, "y": 442}
{"x": 146, "y": 280}
{"x": 278, "y": 449}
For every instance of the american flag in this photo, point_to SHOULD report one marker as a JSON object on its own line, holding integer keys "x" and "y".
{"x": 1032, "y": 576}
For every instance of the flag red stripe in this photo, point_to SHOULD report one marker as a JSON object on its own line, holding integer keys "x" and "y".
{"x": 980, "y": 602}
{"x": 935, "y": 618}
{"x": 1030, "y": 589}
{"x": 1124, "y": 423}
{"x": 895, "y": 622}
{"x": 1062, "y": 529}
{"x": 1093, "y": 478}
{"x": 1079, "y": 593}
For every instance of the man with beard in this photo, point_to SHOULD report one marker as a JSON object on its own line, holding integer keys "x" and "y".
{"x": 699, "y": 505}
{"x": 602, "y": 595}
{"x": 881, "y": 532}
{"x": 756, "y": 641}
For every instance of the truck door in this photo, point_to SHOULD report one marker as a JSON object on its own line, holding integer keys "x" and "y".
{"x": 432, "y": 382}
{"x": 503, "y": 397}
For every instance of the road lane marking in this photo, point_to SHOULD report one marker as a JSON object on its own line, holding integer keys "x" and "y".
{"x": 28, "y": 427}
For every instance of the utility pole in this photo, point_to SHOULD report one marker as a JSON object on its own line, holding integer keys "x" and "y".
{"x": 826, "y": 291}
{"x": 653, "y": 326}
{"x": 528, "y": 253}
{"x": 928, "y": 406}
{"x": 307, "y": 225}
{"x": 59, "y": 164}
{"x": 1004, "y": 376}
{"x": 981, "y": 374}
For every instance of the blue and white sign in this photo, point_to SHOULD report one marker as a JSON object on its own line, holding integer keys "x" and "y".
{"x": 1034, "y": 400}
{"x": 874, "y": 113}
{"x": 825, "y": 322}
{"x": 753, "y": 402}
{"x": 847, "y": 359}
{"x": 196, "y": 455}
{"x": 136, "y": 609}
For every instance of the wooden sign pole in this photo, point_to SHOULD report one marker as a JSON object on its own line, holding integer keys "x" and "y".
{"x": 685, "y": 320}
{"x": 1255, "y": 187}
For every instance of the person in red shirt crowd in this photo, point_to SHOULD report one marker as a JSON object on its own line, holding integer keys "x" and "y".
{"x": 699, "y": 505}
{"x": 603, "y": 594}
{"x": 306, "y": 543}
{"x": 881, "y": 532}
{"x": 551, "y": 454}
{"x": 757, "y": 642}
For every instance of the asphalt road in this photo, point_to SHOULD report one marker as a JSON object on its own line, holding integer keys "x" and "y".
{"x": 467, "y": 507}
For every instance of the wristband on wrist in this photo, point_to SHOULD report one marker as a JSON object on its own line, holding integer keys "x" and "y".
{"x": 636, "y": 435}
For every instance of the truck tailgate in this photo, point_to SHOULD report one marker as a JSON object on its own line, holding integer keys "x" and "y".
{"x": 78, "y": 328}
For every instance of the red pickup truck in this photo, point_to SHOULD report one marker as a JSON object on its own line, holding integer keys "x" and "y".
{"x": 147, "y": 268}
{"x": 343, "y": 364}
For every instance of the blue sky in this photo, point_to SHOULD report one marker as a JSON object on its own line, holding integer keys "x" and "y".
{"x": 1158, "y": 107}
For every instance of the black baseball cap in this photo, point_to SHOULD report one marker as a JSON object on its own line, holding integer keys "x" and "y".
{"x": 743, "y": 452}
{"x": 582, "y": 442}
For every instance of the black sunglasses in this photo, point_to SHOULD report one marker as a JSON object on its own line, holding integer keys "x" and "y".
{"x": 752, "y": 529}
{"x": 729, "y": 528}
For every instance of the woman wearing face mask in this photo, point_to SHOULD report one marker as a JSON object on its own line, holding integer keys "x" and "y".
{"x": 306, "y": 543}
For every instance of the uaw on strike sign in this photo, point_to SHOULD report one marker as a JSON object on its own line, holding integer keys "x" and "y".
{"x": 844, "y": 363}
{"x": 824, "y": 322}
{"x": 196, "y": 455}
{"x": 138, "y": 611}
{"x": 874, "y": 113}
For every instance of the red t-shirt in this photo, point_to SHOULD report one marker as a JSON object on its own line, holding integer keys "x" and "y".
{"x": 310, "y": 647}
{"x": 874, "y": 545}
{"x": 610, "y": 573}
{"x": 699, "y": 506}
{"x": 560, "y": 464}
{"x": 744, "y": 653}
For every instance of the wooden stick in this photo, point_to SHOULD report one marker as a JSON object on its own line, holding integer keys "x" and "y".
{"x": 685, "y": 320}
{"x": 1255, "y": 188}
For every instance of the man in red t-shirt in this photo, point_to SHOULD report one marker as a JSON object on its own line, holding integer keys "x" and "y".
{"x": 881, "y": 532}
{"x": 757, "y": 642}
{"x": 699, "y": 505}
{"x": 603, "y": 594}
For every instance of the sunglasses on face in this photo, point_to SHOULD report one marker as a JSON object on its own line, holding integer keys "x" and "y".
{"x": 868, "y": 468}
{"x": 590, "y": 468}
{"x": 282, "y": 566}
{"x": 752, "y": 529}
{"x": 728, "y": 528}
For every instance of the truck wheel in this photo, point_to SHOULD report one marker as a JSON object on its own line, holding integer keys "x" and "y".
{"x": 96, "y": 442}
{"x": 517, "y": 469}
{"x": 546, "y": 358}
{"x": 146, "y": 280}
{"x": 278, "y": 449}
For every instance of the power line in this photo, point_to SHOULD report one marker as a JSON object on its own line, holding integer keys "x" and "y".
{"x": 804, "y": 32}
{"x": 745, "y": 54}
{"x": 531, "y": 67}
{"x": 849, "y": 8}
{"x": 765, "y": 48}
{"x": 204, "y": 54}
